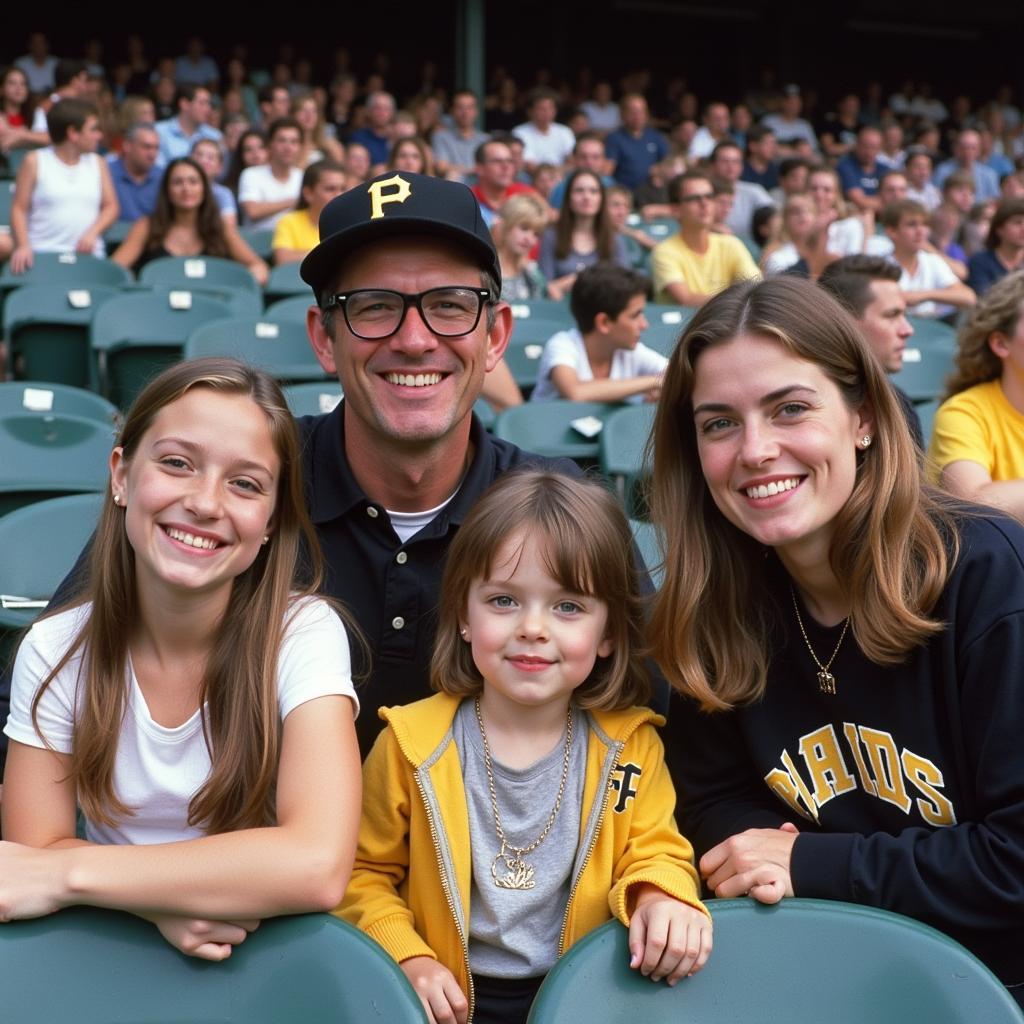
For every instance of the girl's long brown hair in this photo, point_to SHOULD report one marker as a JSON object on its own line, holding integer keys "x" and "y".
{"x": 238, "y": 698}
{"x": 603, "y": 228}
{"x": 894, "y": 539}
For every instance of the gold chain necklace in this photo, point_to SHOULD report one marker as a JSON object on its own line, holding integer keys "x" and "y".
{"x": 508, "y": 869}
{"x": 826, "y": 681}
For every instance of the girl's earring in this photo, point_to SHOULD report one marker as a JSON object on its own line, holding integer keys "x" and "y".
{"x": 865, "y": 441}
{"x": 117, "y": 499}
{"x": 464, "y": 633}
{"x": 266, "y": 537}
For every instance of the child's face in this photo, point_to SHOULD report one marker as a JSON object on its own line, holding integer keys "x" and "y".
{"x": 625, "y": 330}
{"x": 618, "y": 208}
{"x": 911, "y": 233}
{"x": 522, "y": 238}
{"x": 533, "y": 641}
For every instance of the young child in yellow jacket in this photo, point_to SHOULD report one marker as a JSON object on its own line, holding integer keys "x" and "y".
{"x": 528, "y": 802}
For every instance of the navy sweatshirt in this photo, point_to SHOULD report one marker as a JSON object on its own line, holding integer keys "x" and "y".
{"x": 907, "y": 785}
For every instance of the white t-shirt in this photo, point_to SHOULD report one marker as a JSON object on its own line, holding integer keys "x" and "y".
{"x": 258, "y": 184}
{"x": 551, "y": 147}
{"x": 157, "y": 770}
{"x": 932, "y": 272}
{"x": 566, "y": 348}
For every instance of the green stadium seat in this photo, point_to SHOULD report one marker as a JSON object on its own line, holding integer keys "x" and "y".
{"x": 293, "y": 309}
{"x": 136, "y": 335}
{"x": 659, "y": 228}
{"x": 661, "y": 337}
{"x": 70, "y": 269}
{"x": 647, "y": 539}
{"x": 47, "y": 327}
{"x": 49, "y": 454}
{"x": 313, "y": 399}
{"x": 260, "y": 240}
{"x": 800, "y": 962}
{"x": 283, "y": 350}
{"x": 621, "y": 450}
{"x": 44, "y": 398}
{"x": 197, "y": 273}
{"x": 924, "y": 372}
{"x": 40, "y": 543}
{"x": 933, "y": 334}
{"x": 6, "y": 199}
{"x": 85, "y": 966}
{"x": 536, "y": 329}
{"x": 523, "y": 359}
{"x": 284, "y": 282}
{"x": 547, "y": 428}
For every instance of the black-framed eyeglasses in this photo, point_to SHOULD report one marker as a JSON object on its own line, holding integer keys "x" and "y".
{"x": 698, "y": 197}
{"x": 374, "y": 314}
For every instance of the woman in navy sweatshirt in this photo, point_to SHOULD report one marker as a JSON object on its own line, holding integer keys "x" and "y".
{"x": 847, "y": 644}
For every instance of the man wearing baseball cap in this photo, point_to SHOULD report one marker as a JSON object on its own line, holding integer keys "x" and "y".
{"x": 407, "y": 283}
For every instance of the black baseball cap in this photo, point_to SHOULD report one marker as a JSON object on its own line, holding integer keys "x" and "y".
{"x": 398, "y": 203}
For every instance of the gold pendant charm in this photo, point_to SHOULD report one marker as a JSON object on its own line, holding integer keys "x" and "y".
{"x": 827, "y": 682}
{"x": 510, "y": 871}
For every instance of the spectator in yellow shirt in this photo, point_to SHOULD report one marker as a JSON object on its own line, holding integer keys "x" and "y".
{"x": 697, "y": 263}
{"x": 299, "y": 231}
{"x": 977, "y": 446}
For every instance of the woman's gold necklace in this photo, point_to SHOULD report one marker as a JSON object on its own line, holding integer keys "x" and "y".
{"x": 826, "y": 681}
{"x": 508, "y": 869}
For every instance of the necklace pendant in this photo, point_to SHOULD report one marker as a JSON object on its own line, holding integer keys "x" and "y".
{"x": 827, "y": 682}
{"x": 510, "y": 871}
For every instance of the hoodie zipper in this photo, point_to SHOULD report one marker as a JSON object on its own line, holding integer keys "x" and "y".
{"x": 447, "y": 889}
{"x": 593, "y": 842}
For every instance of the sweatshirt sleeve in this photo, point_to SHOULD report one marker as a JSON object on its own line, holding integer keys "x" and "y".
{"x": 655, "y": 852}
{"x": 969, "y": 874}
{"x": 372, "y": 901}
{"x": 720, "y": 790}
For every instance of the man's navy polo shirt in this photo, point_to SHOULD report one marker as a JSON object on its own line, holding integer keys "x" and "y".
{"x": 852, "y": 175}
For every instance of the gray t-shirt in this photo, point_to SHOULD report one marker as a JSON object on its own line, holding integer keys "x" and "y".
{"x": 514, "y": 933}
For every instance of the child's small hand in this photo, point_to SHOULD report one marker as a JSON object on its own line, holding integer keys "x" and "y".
{"x": 667, "y": 938}
{"x": 438, "y": 990}
{"x": 207, "y": 940}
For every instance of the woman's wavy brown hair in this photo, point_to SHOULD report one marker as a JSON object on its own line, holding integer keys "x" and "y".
{"x": 238, "y": 698}
{"x": 589, "y": 550}
{"x": 998, "y": 311}
{"x": 893, "y": 542}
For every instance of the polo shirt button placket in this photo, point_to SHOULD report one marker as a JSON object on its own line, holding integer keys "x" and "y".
{"x": 398, "y": 622}
{"x": 401, "y": 558}
{"x": 372, "y": 512}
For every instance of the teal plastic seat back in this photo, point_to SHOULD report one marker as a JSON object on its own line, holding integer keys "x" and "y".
{"x": 621, "y": 449}
{"x": 932, "y": 334}
{"x": 282, "y": 349}
{"x": 313, "y": 399}
{"x": 70, "y": 269}
{"x": 291, "y": 310}
{"x": 47, "y": 326}
{"x": 40, "y": 544}
{"x": 85, "y": 966}
{"x": 924, "y": 372}
{"x": 648, "y": 541}
{"x": 197, "y": 273}
{"x": 284, "y": 282}
{"x": 926, "y": 414}
{"x": 47, "y": 455}
{"x": 546, "y": 428}
{"x": 43, "y": 397}
{"x": 136, "y": 335}
{"x": 260, "y": 240}
{"x": 799, "y": 962}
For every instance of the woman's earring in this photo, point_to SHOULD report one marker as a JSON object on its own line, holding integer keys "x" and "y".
{"x": 266, "y": 537}
{"x": 117, "y": 499}
{"x": 865, "y": 441}
{"x": 463, "y": 632}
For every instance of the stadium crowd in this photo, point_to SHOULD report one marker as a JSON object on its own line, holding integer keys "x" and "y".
{"x": 827, "y": 590}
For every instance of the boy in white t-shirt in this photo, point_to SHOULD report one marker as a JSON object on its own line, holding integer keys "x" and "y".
{"x": 930, "y": 287}
{"x": 602, "y": 359}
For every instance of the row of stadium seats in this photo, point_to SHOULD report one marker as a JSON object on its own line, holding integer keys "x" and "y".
{"x": 863, "y": 964}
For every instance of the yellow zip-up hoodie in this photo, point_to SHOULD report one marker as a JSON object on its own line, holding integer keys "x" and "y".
{"x": 413, "y": 859}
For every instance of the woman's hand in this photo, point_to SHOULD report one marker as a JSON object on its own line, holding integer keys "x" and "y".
{"x": 207, "y": 940}
{"x": 32, "y": 882}
{"x": 667, "y": 938}
{"x": 260, "y": 271}
{"x": 21, "y": 259}
{"x": 87, "y": 243}
{"x": 439, "y": 992}
{"x": 754, "y": 863}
